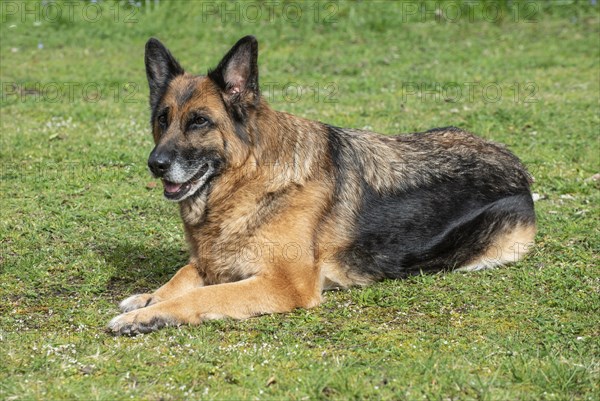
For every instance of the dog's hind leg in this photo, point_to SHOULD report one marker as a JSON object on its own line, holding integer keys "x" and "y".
{"x": 513, "y": 236}
{"x": 186, "y": 279}
{"x": 508, "y": 247}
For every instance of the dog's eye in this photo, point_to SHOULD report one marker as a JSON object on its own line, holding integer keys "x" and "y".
{"x": 199, "y": 122}
{"x": 162, "y": 120}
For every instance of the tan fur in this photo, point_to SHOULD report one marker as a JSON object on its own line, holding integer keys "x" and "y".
{"x": 509, "y": 247}
{"x": 186, "y": 279}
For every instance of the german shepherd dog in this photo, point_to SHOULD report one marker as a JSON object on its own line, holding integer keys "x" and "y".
{"x": 277, "y": 208}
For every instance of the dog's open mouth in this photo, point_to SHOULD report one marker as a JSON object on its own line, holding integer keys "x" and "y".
{"x": 178, "y": 191}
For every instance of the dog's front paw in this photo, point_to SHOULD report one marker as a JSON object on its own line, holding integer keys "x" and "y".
{"x": 138, "y": 301}
{"x": 138, "y": 322}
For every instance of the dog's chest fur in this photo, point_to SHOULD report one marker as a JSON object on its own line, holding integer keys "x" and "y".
{"x": 239, "y": 236}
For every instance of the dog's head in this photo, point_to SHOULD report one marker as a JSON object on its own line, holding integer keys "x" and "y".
{"x": 200, "y": 124}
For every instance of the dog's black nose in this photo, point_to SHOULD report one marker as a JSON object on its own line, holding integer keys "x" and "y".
{"x": 160, "y": 162}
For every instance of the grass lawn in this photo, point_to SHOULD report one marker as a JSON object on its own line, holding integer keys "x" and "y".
{"x": 83, "y": 224}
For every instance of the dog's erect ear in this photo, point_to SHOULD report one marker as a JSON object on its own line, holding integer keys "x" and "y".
{"x": 237, "y": 73}
{"x": 161, "y": 68}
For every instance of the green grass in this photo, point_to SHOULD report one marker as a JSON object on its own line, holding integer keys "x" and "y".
{"x": 81, "y": 228}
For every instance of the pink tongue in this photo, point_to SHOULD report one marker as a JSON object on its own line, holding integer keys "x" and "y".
{"x": 171, "y": 186}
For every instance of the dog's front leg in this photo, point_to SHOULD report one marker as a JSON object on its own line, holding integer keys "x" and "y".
{"x": 185, "y": 279}
{"x": 239, "y": 300}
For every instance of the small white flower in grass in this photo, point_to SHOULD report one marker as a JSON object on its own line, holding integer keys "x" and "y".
{"x": 536, "y": 197}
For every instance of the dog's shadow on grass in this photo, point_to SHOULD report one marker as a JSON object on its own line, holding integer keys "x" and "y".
{"x": 138, "y": 268}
